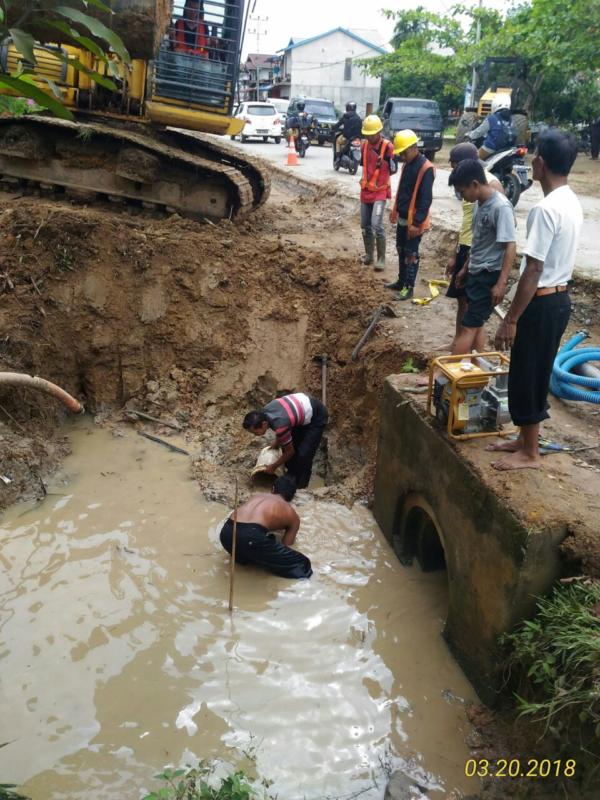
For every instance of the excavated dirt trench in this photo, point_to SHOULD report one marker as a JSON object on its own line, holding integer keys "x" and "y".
{"x": 198, "y": 323}
{"x": 189, "y": 322}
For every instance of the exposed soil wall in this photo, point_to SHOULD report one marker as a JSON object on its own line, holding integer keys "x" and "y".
{"x": 197, "y": 322}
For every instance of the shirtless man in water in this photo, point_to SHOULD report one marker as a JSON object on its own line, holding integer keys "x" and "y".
{"x": 256, "y": 545}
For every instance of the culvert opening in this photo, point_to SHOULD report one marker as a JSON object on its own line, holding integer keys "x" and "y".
{"x": 418, "y": 535}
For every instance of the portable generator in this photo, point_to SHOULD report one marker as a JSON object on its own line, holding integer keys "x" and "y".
{"x": 469, "y": 394}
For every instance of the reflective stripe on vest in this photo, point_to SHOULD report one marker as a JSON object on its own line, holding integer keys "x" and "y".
{"x": 200, "y": 35}
{"x": 373, "y": 185}
{"x": 426, "y": 224}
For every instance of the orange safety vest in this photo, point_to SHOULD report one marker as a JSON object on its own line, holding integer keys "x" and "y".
{"x": 199, "y": 48}
{"x": 426, "y": 224}
{"x": 373, "y": 184}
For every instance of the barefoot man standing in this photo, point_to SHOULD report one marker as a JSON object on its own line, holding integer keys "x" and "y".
{"x": 539, "y": 313}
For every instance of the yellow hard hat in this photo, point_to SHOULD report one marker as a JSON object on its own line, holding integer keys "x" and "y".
{"x": 403, "y": 140}
{"x": 371, "y": 125}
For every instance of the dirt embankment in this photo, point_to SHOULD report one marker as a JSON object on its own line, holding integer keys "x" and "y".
{"x": 189, "y": 321}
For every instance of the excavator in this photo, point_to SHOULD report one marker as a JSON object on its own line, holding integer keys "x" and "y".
{"x": 507, "y": 81}
{"x": 151, "y": 144}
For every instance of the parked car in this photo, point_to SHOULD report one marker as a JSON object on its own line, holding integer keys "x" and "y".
{"x": 421, "y": 116}
{"x": 281, "y": 104}
{"x": 262, "y": 120}
{"x": 323, "y": 110}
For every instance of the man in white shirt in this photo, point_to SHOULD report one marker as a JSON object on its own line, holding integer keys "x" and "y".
{"x": 539, "y": 313}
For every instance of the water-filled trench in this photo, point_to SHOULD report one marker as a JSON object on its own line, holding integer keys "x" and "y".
{"x": 118, "y": 654}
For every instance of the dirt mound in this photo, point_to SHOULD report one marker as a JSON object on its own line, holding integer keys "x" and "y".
{"x": 200, "y": 322}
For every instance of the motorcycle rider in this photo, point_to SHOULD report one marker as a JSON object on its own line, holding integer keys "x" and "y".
{"x": 377, "y": 159}
{"x": 299, "y": 121}
{"x": 497, "y": 129}
{"x": 347, "y": 129}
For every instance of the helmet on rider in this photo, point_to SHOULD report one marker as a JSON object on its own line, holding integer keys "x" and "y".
{"x": 371, "y": 125}
{"x": 501, "y": 101}
{"x": 300, "y": 105}
{"x": 350, "y": 106}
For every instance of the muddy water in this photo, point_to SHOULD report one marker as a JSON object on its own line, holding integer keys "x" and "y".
{"x": 118, "y": 655}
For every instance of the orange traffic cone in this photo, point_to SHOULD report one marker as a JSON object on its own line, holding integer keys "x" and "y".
{"x": 292, "y": 158}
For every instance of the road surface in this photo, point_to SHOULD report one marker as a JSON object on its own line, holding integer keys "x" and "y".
{"x": 446, "y": 209}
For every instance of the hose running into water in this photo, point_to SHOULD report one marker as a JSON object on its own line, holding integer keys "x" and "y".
{"x": 564, "y": 382}
{"x": 20, "y": 379}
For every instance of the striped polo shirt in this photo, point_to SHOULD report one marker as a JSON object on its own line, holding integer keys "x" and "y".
{"x": 285, "y": 413}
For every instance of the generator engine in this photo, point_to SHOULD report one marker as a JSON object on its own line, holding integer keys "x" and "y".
{"x": 470, "y": 396}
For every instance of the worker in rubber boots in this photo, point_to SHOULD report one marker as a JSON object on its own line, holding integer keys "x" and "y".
{"x": 538, "y": 315}
{"x": 298, "y": 421}
{"x": 255, "y": 542}
{"x": 411, "y": 211}
{"x": 375, "y": 188}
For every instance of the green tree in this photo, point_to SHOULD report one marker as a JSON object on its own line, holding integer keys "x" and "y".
{"x": 557, "y": 41}
{"x": 422, "y": 64}
{"x": 69, "y": 21}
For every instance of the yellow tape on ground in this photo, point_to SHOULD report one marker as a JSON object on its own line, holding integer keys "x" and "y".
{"x": 434, "y": 292}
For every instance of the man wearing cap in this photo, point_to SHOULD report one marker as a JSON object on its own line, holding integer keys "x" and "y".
{"x": 411, "y": 211}
{"x": 460, "y": 254}
{"x": 375, "y": 188}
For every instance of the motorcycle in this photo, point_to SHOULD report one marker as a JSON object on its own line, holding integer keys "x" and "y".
{"x": 350, "y": 156}
{"x": 302, "y": 130}
{"x": 512, "y": 172}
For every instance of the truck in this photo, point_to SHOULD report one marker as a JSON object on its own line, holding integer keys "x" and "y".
{"x": 420, "y": 115}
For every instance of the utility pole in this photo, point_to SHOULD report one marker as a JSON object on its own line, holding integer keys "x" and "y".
{"x": 477, "y": 40}
{"x": 258, "y": 31}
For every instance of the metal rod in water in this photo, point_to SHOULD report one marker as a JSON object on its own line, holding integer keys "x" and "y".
{"x": 172, "y": 447}
{"x": 233, "y": 547}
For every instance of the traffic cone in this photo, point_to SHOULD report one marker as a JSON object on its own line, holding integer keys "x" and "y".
{"x": 292, "y": 157}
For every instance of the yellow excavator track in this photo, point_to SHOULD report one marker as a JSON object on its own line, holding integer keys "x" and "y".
{"x": 194, "y": 175}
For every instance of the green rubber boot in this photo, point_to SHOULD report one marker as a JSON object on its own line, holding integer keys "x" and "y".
{"x": 380, "y": 263}
{"x": 369, "y": 248}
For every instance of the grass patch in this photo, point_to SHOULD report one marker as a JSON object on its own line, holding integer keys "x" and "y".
{"x": 200, "y": 783}
{"x": 555, "y": 666}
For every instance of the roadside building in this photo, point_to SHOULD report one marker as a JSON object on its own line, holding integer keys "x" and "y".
{"x": 325, "y": 66}
{"x": 257, "y": 74}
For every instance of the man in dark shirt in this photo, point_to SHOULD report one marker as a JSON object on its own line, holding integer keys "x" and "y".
{"x": 347, "y": 129}
{"x": 411, "y": 210}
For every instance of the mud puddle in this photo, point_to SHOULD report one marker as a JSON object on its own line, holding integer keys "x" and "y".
{"x": 118, "y": 655}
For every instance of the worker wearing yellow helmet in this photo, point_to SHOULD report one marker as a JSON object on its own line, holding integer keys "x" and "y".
{"x": 411, "y": 210}
{"x": 378, "y": 166}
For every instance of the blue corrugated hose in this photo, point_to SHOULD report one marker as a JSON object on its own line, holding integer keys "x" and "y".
{"x": 567, "y": 385}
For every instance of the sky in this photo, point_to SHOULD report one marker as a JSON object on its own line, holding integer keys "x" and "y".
{"x": 287, "y": 18}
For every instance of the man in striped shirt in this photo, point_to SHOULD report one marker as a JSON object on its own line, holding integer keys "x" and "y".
{"x": 298, "y": 421}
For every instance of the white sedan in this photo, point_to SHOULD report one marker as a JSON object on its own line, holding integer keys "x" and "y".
{"x": 262, "y": 120}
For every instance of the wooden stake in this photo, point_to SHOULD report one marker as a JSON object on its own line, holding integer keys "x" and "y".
{"x": 233, "y": 547}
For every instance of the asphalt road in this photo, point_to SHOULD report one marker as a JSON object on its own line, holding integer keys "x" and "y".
{"x": 317, "y": 166}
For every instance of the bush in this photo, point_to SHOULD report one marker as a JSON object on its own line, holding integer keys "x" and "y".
{"x": 195, "y": 784}
{"x": 555, "y": 659}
